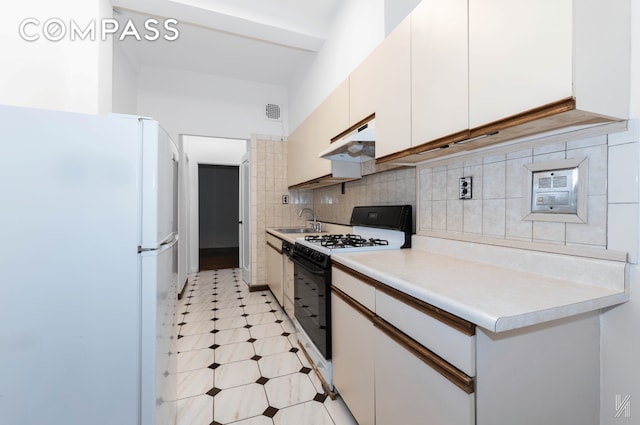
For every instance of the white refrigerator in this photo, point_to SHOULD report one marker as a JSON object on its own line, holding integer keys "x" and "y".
{"x": 88, "y": 269}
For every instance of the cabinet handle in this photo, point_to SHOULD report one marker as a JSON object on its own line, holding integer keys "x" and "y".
{"x": 444, "y": 368}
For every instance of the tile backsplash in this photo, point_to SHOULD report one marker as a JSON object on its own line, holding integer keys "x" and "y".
{"x": 394, "y": 187}
{"x": 496, "y": 208}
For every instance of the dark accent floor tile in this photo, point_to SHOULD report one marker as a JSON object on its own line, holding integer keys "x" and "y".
{"x": 262, "y": 380}
{"x": 320, "y": 397}
{"x": 251, "y": 340}
{"x": 256, "y": 358}
{"x": 294, "y": 350}
{"x": 214, "y": 366}
{"x": 214, "y": 346}
{"x": 270, "y": 412}
{"x": 305, "y": 370}
{"x": 213, "y": 391}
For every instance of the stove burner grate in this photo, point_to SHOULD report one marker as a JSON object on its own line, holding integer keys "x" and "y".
{"x": 345, "y": 241}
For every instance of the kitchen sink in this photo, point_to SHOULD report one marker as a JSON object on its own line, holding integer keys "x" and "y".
{"x": 298, "y": 230}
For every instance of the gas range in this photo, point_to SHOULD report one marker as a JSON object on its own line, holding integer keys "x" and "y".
{"x": 374, "y": 228}
{"x": 362, "y": 239}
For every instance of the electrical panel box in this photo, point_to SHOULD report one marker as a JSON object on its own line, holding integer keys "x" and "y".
{"x": 555, "y": 191}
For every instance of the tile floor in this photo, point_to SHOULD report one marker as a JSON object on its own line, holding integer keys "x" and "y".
{"x": 238, "y": 362}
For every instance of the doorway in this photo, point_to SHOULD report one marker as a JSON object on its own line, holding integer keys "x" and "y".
{"x": 218, "y": 211}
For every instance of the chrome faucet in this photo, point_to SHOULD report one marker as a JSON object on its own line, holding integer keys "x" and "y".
{"x": 316, "y": 226}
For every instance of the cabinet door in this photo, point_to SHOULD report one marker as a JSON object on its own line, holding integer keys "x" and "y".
{"x": 408, "y": 391}
{"x": 302, "y": 153}
{"x": 274, "y": 273}
{"x": 439, "y": 70}
{"x": 288, "y": 287}
{"x": 382, "y": 85}
{"x": 353, "y": 349}
{"x": 520, "y": 56}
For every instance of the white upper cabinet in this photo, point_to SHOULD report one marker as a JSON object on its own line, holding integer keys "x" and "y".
{"x": 531, "y": 53}
{"x": 382, "y": 85}
{"x": 439, "y": 70}
{"x": 314, "y": 135}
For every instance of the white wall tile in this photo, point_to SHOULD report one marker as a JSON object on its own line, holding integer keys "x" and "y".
{"x": 624, "y": 171}
{"x": 631, "y": 135}
{"x": 439, "y": 185}
{"x": 453, "y": 185}
{"x": 623, "y": 229}
{"x": 594, "y": 232}
{"x": 493, "y": 217}
{"x": 515, "y": 226}
{"x": 597, "y": 157}
{"x": 549, "y": 232}
{"x": 515, "y": 175}
{"x": 439, "y": 215}
{"x": 494, "y": 180}
{"x": 472, "y": 216}
{"x": 454, "y": 215}
{"x": 424, "y": 221}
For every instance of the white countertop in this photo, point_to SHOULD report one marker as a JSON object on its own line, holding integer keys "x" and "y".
{"x": 493, "y": 297}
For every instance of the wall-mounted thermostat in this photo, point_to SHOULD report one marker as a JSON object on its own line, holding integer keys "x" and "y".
{"x": 555, "y": 191}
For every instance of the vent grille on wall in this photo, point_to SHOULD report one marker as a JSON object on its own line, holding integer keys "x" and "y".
{"x": 272, "y": 112}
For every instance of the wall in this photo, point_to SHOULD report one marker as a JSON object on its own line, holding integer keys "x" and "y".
{"x": 125, "y": 82}
{"x": 620, "y": 326}
{"x": 268, "y": 184}
{"x": 206, "y": 105}
{"x": 358, "y": 28}
{"x": 395, "y": 187}
{"x": 63, "y": 75}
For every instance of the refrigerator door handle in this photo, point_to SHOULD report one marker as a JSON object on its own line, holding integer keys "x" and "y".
{"x": 168, "y": 241}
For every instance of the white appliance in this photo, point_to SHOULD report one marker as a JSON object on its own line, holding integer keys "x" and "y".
{"x": 89, "y": 269}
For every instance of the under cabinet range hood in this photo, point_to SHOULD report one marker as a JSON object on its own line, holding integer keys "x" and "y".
{"x": 356, "y": 146}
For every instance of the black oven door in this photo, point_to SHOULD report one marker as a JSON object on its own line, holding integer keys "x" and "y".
{"x": 312, "y": 304}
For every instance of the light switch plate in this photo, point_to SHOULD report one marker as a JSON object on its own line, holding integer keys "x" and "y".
{"x": 465, "y": 188}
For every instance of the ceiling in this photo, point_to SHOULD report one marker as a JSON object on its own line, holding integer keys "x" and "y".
{"x": 257, "y": 40}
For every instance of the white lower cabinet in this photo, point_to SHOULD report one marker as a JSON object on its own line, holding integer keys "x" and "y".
{"x": 274, "y": 267}
{"x": 288, "y": 286}
{"x": 409, "y": 391}
{"x": 398, "y": 360}
{"x": 353, "y": 351}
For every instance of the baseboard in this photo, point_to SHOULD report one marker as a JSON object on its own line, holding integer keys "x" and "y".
{"x": 184, "y": 288}
{"x": 255, "y": 288}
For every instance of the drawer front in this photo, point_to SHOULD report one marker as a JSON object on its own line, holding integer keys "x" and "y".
{"x": 357, "y": 289}
{"x": 454, "y": 346}
{"x": 275, "y": 242}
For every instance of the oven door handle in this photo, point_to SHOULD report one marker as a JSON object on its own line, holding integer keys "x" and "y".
{"x": 307, "y": 265}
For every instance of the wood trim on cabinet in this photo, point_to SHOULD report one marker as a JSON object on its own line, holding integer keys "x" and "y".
{"x": 353, "y": 303}
{"x": 275, "y": 247}
{"x": 353, "y": 127}
{"x": 544, "y": 111}
{"x": 354, "y": 273}
{"x": 444, "y": 368}
{"x": 437, "y": 363}
{"x": 427, "y": 146}
{"x": 445, "y": 317}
